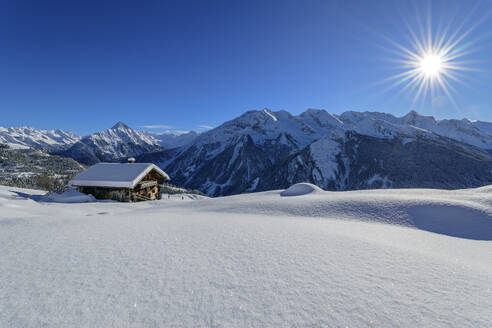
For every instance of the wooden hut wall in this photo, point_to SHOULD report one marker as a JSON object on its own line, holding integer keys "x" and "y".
{"x": 152, "y": 175}
{"x": 119, "y": 194}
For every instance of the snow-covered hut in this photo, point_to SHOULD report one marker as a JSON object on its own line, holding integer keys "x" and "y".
{"x": 124, "y": 182}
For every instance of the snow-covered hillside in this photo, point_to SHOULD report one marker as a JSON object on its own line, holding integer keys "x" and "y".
{"x": 27, "y": 137}
{"x": 387, "y": 258}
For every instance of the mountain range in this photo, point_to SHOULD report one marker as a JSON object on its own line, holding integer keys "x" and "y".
{"x": 111, "y": 144}
{"x": 264, "y": 150}
{"x": 108, "y": 145}
{"x": 26, "y": 137}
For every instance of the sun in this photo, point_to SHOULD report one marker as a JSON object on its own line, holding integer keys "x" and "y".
{"x": 430, "y": 62}
{"x": 431, "y": 65}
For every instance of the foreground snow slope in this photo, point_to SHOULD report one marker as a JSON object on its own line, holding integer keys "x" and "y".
{"x": 358, "y": 259}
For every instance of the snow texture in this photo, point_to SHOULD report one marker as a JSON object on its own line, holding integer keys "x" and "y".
{"x": 385, "y": 258}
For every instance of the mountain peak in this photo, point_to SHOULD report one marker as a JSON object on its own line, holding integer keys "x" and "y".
{"x": 413, "y": 118}
{"x": 313, "y": 111}
{"x": 412, "y": 113}
{"x": 120, "y": 125}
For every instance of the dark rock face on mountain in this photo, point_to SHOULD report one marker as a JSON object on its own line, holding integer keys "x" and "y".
{"x": 363, "y": 162}
{"x": 265, "y": 150}
{"x": 232, "y": 168}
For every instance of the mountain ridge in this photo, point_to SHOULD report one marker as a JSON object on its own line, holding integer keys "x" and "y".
{"x": 266, "y": 149}
{"x": 109, "y": 145}
{"x": 28, "y": 137}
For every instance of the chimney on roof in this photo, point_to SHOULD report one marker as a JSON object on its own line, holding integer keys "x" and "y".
{"x": 131, "y": 160}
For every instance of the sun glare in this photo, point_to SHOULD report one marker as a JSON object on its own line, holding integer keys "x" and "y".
{"x": 431, "y": 65}
{"x": 432, "y": 61}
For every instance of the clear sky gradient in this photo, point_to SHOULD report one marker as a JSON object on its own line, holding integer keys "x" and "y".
{"x": 84, "y": 65}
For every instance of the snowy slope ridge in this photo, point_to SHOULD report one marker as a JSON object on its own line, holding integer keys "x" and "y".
{"x": 328, "y": 259}
{"x": 477, "y": 133}
{"x": 27, "y": 137}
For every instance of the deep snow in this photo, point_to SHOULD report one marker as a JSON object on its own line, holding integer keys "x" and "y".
{"x": 381, "y": 258}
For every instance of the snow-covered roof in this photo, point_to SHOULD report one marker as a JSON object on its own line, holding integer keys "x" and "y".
{"x": 118, "y": 175}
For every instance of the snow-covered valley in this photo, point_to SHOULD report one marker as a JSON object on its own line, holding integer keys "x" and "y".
{"x": 380, "y": 258}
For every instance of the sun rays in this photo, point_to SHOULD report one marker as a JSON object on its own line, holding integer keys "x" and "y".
{"x": 432, "y": 61}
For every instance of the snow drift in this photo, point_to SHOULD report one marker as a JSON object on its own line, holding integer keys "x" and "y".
{"x": 67, "y": 196}
{"x": 300, "y": 189}
{"x": 462, "y": 213}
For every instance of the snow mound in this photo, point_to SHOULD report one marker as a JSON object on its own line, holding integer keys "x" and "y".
{"x": 68, "y": 196}
{"x": 300, "y": 189}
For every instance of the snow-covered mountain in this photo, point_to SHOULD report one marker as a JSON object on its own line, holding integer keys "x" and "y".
{"x": 263, "y": 150}
{"x": 109, "y": 145}
{"x": 478, "y": 134}
{"x": 27, "y": 137}
{"x": 223, "y": 160}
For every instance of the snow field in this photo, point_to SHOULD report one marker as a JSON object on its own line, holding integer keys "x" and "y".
{"x": 323, "y": 259}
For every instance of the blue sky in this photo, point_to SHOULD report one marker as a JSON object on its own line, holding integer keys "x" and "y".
{"x": 84, "y": 65}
